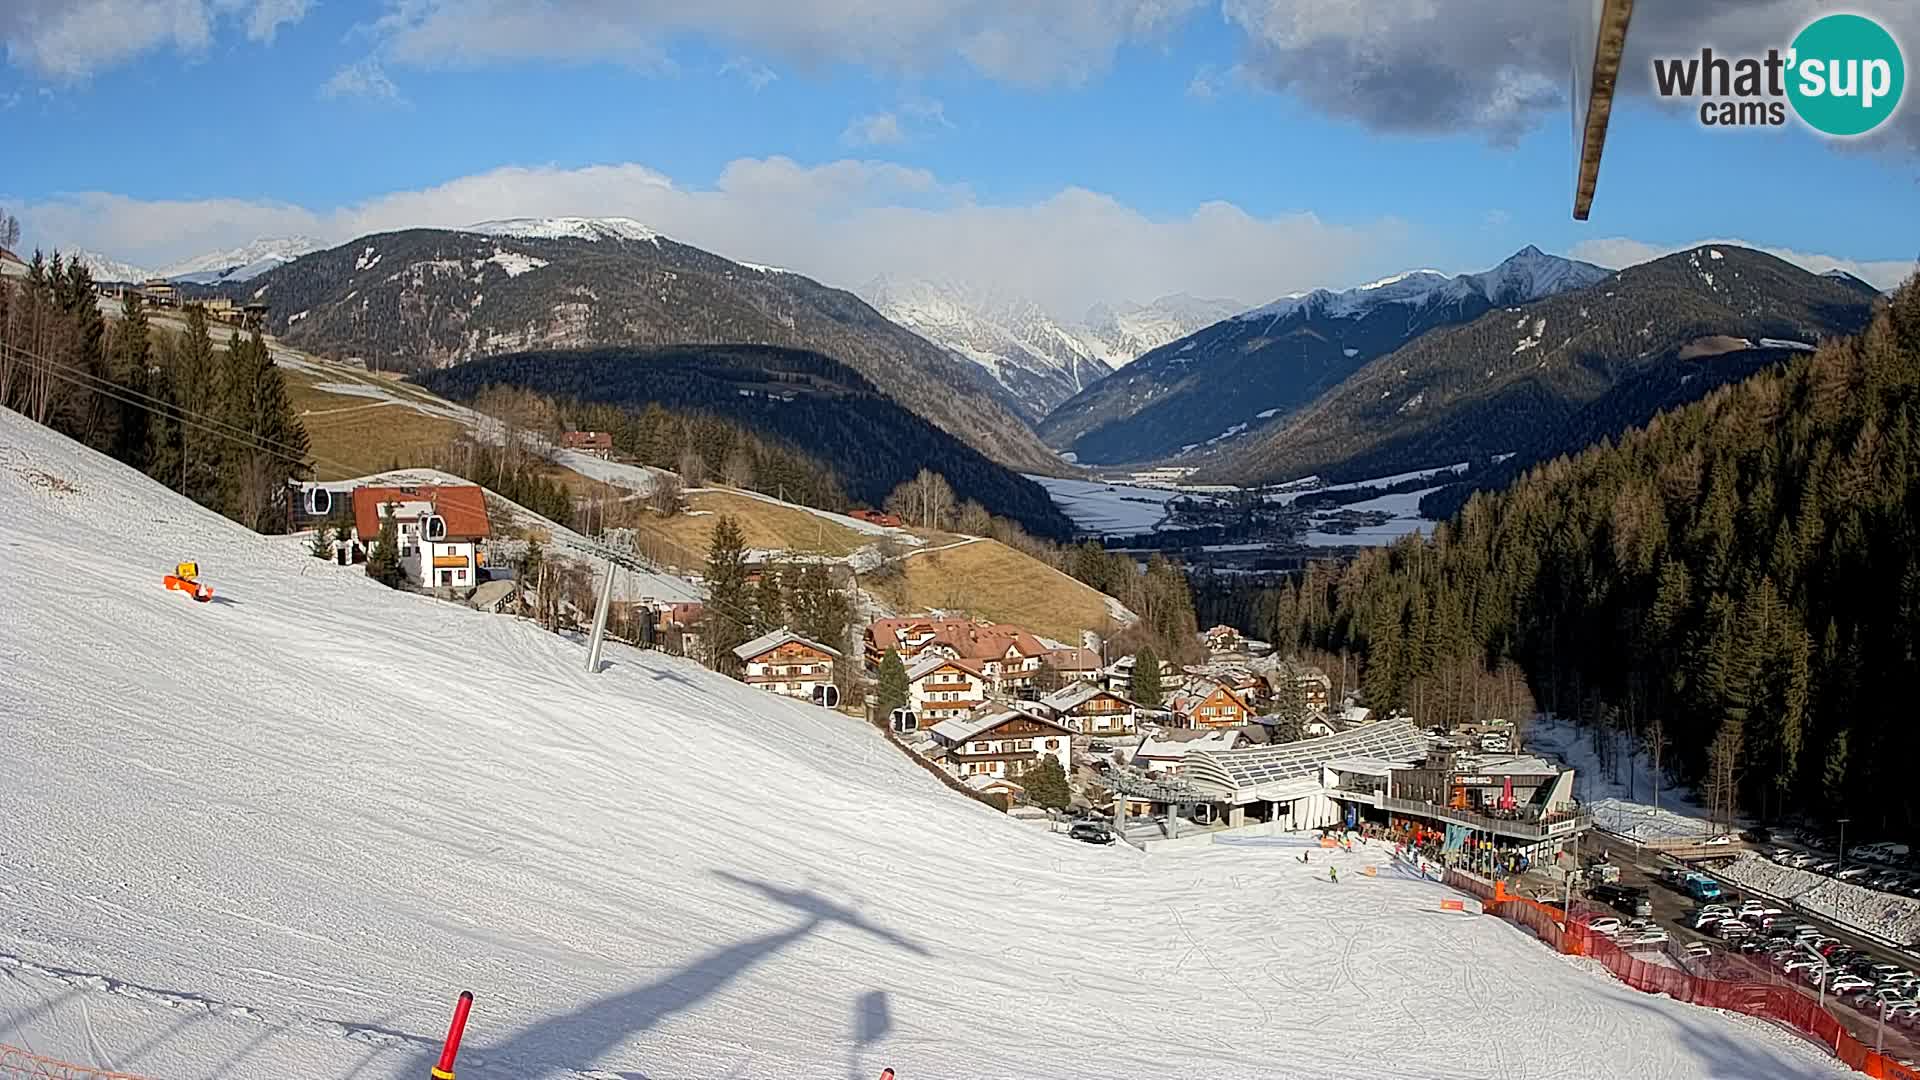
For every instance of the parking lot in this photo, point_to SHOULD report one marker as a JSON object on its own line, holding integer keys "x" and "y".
{"x": 1670, "y": 911}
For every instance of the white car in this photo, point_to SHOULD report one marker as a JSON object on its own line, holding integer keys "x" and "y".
{"x": 1846, "y": 983}
{"x": 1606, "y": 927}
{"x": 1716, "y": 909}
{"x": 1650, "y": 936}
{"x": 1803, "y": 962}
{"x": 1699, "y": 950}
{"x": 1723, "y": 838}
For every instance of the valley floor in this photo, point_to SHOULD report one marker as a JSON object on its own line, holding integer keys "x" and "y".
{"x": 273, "y": 835}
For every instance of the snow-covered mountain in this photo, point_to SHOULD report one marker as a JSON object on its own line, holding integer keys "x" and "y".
{"x": 243, "y": 263}
{"x": 106, "y": 268}
{"x": 1236, "y": 376}
{"x": 566, "y": 228}
{"x": 1037, "y": 359}
{"x": 1528, "y": 275}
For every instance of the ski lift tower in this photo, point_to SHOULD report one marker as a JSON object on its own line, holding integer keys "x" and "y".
{"x": 1599, "y": 39}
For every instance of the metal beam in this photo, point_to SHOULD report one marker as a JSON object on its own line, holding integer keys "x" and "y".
{"x": 1610, "y": 44}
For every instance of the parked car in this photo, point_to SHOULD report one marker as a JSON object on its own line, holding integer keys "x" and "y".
{"x": 1716, "y": 909}
{"x": 1698, "y": 950}
{"x": 1800, "y": 860}
{"x": 1606, "y": 926}
{"x": 1091, "y": 832}
{"x": 1704, "y": 921}
{"x": 1781, "y": 855}
{"x": 1757, "y": 836}
{"x": 1846, "y": 982}
{"x": 1732, "y": 928}
{"x": 1826, "y": 866}
{"x": 1752, "y": 944}
{"x": 1802, "y": 962}
{"x": 1853, "y": 873}
{"x": 1652, "y": 935}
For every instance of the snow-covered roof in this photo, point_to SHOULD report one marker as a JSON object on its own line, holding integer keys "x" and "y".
{"x": 962, "y": 728}
{"x": 1168, "y": 749}
{"x": 1075, "y": 694}
{"x": 1508, "y": 764}
{"x": 775, "y": 639}
{"x": 1365, "y": 766}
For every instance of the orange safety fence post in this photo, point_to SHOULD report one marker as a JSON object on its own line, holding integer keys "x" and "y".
{"x": 1453, "y": 905}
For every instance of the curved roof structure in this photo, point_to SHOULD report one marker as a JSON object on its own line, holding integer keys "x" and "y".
{"x": 1243, "y": 772}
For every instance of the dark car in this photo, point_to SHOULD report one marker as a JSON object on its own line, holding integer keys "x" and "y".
{"x": 1092, "y": 832}
{"x": 1757, "y": 836}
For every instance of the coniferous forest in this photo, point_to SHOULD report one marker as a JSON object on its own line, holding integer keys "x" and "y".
{"x": 1736, "y": 585}
{"x": 213, "y": 424}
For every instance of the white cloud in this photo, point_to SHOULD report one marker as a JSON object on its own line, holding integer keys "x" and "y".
{"x": 72, "y": 39}
{"x": 365, "y": 79}
{"x": 1202, "y": 85}
{"x": 1496, "y": 66}
{"x": 842, "y": 222}
{"x": 753, "y": 72}
{"x": 1620, "y": 251}
{"x": 878, "y": 129}
{"x": 1021, "y": 41}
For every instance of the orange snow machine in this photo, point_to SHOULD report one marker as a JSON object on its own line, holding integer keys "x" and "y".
{"x": 185, "y": 579}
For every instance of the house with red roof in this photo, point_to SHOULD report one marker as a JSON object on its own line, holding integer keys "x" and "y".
{"x": 442, "y": 529}
{"x": 1008, "y": 656}
{"x": 942, "y": 688}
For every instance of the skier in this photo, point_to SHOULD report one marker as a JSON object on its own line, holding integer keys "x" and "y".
{"x": 1333, "y": 873}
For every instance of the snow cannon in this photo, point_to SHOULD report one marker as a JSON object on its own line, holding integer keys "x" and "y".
{"x": 185, "y": 579}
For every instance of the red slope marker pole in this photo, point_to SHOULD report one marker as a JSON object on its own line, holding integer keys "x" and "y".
{"x": 444, "y": 1070}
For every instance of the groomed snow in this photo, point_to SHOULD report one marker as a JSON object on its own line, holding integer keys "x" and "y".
{"x": 273, "y": 835}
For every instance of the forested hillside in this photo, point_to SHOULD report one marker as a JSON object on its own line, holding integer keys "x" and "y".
{"x": 1555, "y": 375}
{"x": 426, "y": 298}
{"x": 1737, "y": 584}
{"x": 827, "y": 411}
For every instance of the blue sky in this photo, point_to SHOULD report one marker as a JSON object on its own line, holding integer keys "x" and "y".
{"x": 1090, "y": 150}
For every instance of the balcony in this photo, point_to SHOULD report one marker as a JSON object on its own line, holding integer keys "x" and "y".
{"x": 1522, "y": 823}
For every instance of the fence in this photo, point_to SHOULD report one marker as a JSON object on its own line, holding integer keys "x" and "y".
{"x": 17, "y": 1063}
{"x": 1783, "y": 1004}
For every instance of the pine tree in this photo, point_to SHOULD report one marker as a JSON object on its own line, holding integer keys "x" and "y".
{"x": 892, "y": 693}
{"x": 769, "y": 603}
{"x": 383, "y": 562}
{"x": 728, "y": 609}
{"x": 128, "y": 364}
{"x": 321, "y": 547}
{"x": 1834, "y": 785}
{"x": 197, "y": 388}
{"x": 1146, "y": 679}
{"x": 1046, "y": 784}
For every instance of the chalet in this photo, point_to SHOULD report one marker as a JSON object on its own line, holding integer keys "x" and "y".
{"x": 593, "y": 443}
{"x": 1003, "y": 744}
{"x": 159, "y": 292}
{"x": 442, "y": 530}
{"x": 1313, "y": 686}
{"x": 1076, "y": 663}
{"x": 784, "y": 663}
{"x": 1007, "y": 656}
{"x": 1216, "y": 708}
{"x": 11, "y": 265}
{"x": 876, "y": 517}
{"x": 1087, "y": 709}
{"x": 1118, "y": 676}
{"x": 940, "y": 688}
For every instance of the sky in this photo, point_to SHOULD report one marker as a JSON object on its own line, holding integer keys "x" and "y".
{"x": 1074, "y": 151}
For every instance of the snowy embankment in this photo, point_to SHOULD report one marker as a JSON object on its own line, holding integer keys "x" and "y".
{"x": 1622, "y": 805}
{"x": 275, "y": 834}
{"x": 1887, "y": 915}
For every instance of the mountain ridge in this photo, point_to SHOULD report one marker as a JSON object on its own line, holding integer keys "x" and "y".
{"x": 1279, "y": 357}
{"x": 417, "y": 299}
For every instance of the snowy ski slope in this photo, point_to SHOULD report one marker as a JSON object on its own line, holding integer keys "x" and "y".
{"x": 273, "y": 835}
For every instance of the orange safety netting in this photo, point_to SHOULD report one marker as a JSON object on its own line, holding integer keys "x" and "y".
{"x": 1782, "y": 1003}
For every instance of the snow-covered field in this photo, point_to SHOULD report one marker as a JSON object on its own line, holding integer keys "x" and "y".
{"x": 275, "y": 834}
{"x": 1406, "y": 521}
{"x": 1623, "y": 806}
{"x": 1108, "y": 508}
{"x": 1894, "y": 917}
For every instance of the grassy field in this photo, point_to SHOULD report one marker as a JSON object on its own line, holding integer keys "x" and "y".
{"x": 993, "y": 581}
{"x": 353, "y": 436}
{"x": 765, "y": 525}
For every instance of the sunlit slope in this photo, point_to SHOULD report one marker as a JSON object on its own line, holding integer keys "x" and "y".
{"x": 273, "y": 836}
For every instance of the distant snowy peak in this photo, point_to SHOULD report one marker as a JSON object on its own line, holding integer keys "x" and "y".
{"x": 567, "y": 228}
{"x": 1120, "y": 336}
{"x": 1529, "y": 275}
{"x": 104, "y": 268}
{"x": 242, "y": 263}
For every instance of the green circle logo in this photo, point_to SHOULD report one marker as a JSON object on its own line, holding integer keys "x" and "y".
{"x": 1846, "y": 74}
